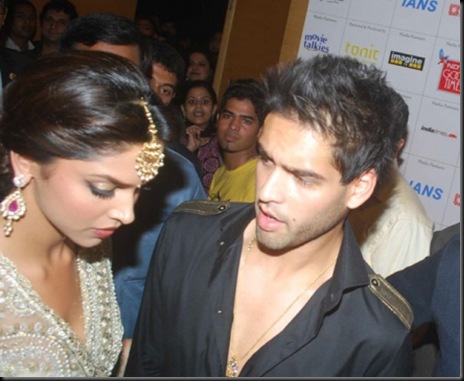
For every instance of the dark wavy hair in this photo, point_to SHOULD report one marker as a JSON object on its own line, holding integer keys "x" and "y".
{"x": 345, "y": 101}
{"x": 64, "y": 6}
{"x": 74, "y": 105}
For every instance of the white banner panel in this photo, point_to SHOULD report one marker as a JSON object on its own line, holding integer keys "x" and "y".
{"x": 417, "y": 42}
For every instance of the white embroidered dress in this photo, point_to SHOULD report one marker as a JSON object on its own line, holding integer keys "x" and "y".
{"x": 36, "y": 342}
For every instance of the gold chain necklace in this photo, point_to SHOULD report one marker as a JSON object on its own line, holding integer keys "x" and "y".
{"x": 232, "y": 369}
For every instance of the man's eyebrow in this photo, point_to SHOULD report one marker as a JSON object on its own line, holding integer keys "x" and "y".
{"x": 304, "y": 173}
{"x": 243, "y": 116}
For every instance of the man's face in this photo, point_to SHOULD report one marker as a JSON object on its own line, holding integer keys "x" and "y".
{"x": 163, "y": 83}
{"x": 2, "y": 13}
{"x": 300, "y": 199}
{"x": 54, "y": 24}
{"x": 24, "y": 22}
{"x": 238, "y": 126}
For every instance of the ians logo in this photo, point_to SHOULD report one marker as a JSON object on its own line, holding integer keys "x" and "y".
{"x": 438, "y": 132}
{"x": 427, "y": 190}
{"x": 423, "y": 5}
{"x": 316, "y": 42}
{"x": 450, "y": 79}
{"x": 406, "y": 60}
{"x": 457, "y": 199}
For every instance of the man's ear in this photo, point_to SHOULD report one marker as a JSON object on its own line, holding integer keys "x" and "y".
{"x": 362, "y": 188}
{"x": 21, "y": 165}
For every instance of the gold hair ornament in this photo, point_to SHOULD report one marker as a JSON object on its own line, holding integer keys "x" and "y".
{"x": 150, "y": 158}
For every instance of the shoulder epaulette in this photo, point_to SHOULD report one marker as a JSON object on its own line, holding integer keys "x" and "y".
{"x": 391, "y": 298}
{"x": 203, "y": 207}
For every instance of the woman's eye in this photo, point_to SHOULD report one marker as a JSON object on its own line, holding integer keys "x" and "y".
{"x": 102, "y": 193}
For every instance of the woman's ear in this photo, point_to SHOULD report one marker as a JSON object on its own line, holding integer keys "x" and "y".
{"x": 362, "y": 188}
{"x": 21, "y": 165}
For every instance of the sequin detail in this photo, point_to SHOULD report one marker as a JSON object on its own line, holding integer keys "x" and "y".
{"x": 36, "y": 342}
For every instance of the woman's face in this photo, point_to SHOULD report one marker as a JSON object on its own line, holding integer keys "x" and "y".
{"x": 198, "y": 107}
{"x": 86, "y": 201}
{"x": 198, "y": 67}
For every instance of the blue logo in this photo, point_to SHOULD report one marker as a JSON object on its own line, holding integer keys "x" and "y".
{"x": 427, "y": 190}
{"x": 424, "y": 5}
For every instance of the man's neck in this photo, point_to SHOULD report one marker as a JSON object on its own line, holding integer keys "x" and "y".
{"x": 234, "y": 160}
{"x": 22, "y": 43}
{"x": 49, "y": 48}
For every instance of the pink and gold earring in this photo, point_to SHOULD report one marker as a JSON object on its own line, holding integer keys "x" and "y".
{"x": 13, "y": 206}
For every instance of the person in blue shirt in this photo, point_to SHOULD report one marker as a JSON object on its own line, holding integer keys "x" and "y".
{"x": 432, "y": 288}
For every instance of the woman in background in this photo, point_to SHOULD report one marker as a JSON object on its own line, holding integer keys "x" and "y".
{"x": 200, "y": 65}
{"x": 199, "y": 107}
{"x": 77, "y": 141}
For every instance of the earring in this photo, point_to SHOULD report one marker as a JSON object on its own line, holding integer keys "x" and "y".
{"x": 13, "y": 206}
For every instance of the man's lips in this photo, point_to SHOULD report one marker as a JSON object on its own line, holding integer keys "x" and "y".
{"x": 267, "y": 221}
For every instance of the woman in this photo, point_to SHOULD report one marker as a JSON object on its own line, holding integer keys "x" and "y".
{"x": 77, "y": 141}
{"x": 199, "y": 108}
{"x": 200, "y": 65}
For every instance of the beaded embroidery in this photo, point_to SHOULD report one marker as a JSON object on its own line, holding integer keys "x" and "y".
{"x": 36, "y": 342}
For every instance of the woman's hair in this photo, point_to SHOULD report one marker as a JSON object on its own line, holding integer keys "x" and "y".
{"x": 74, "y": 105}
{"x": 189, "y": 85}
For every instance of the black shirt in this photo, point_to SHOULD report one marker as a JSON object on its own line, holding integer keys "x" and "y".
{"x": 184, "y": 323}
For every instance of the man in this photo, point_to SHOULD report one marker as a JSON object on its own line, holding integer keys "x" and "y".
{"x": 165, "y": 71}
{"x": 433, "y": 288}
{"x": 105, "y": 32}
{"x": 279, "y": 288}
{"x": 20, "y": 25}
{"x": 240, "y": 117}
{"x": 54, "y": 18}
{"x": 392, "y": 227}
{"x": 11, "y": 61}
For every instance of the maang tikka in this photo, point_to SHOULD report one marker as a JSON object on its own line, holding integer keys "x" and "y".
{"x": 13, "y": 206}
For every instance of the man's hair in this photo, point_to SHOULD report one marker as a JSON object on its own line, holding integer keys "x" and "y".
{"x": 166, "y": 55}
{"x": 101, "y": 27}
{"x": 399, "y": 118}
{"x": 245, "y": 89}
{"x": 64, "y": 6}
{"x": 11, "y": 6}
{"x": 342, "y": 100}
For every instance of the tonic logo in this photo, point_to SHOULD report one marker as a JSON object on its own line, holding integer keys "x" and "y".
{"x": 363, "y": 53}
{"x": 457, "y": 199}
{"x": 406, "y": 60}
{"x": 454, "y": 10}
{"x": 316, "y": 42}
{"x": 427, "y": 190}
{"x": 423, "y": 5}
{"x": 450, "y": 79}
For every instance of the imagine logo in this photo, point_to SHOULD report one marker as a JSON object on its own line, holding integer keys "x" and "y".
{"x": 406, "y": 60}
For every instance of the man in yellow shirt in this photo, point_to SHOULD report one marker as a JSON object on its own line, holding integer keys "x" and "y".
{"x": 240, "y": 117}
